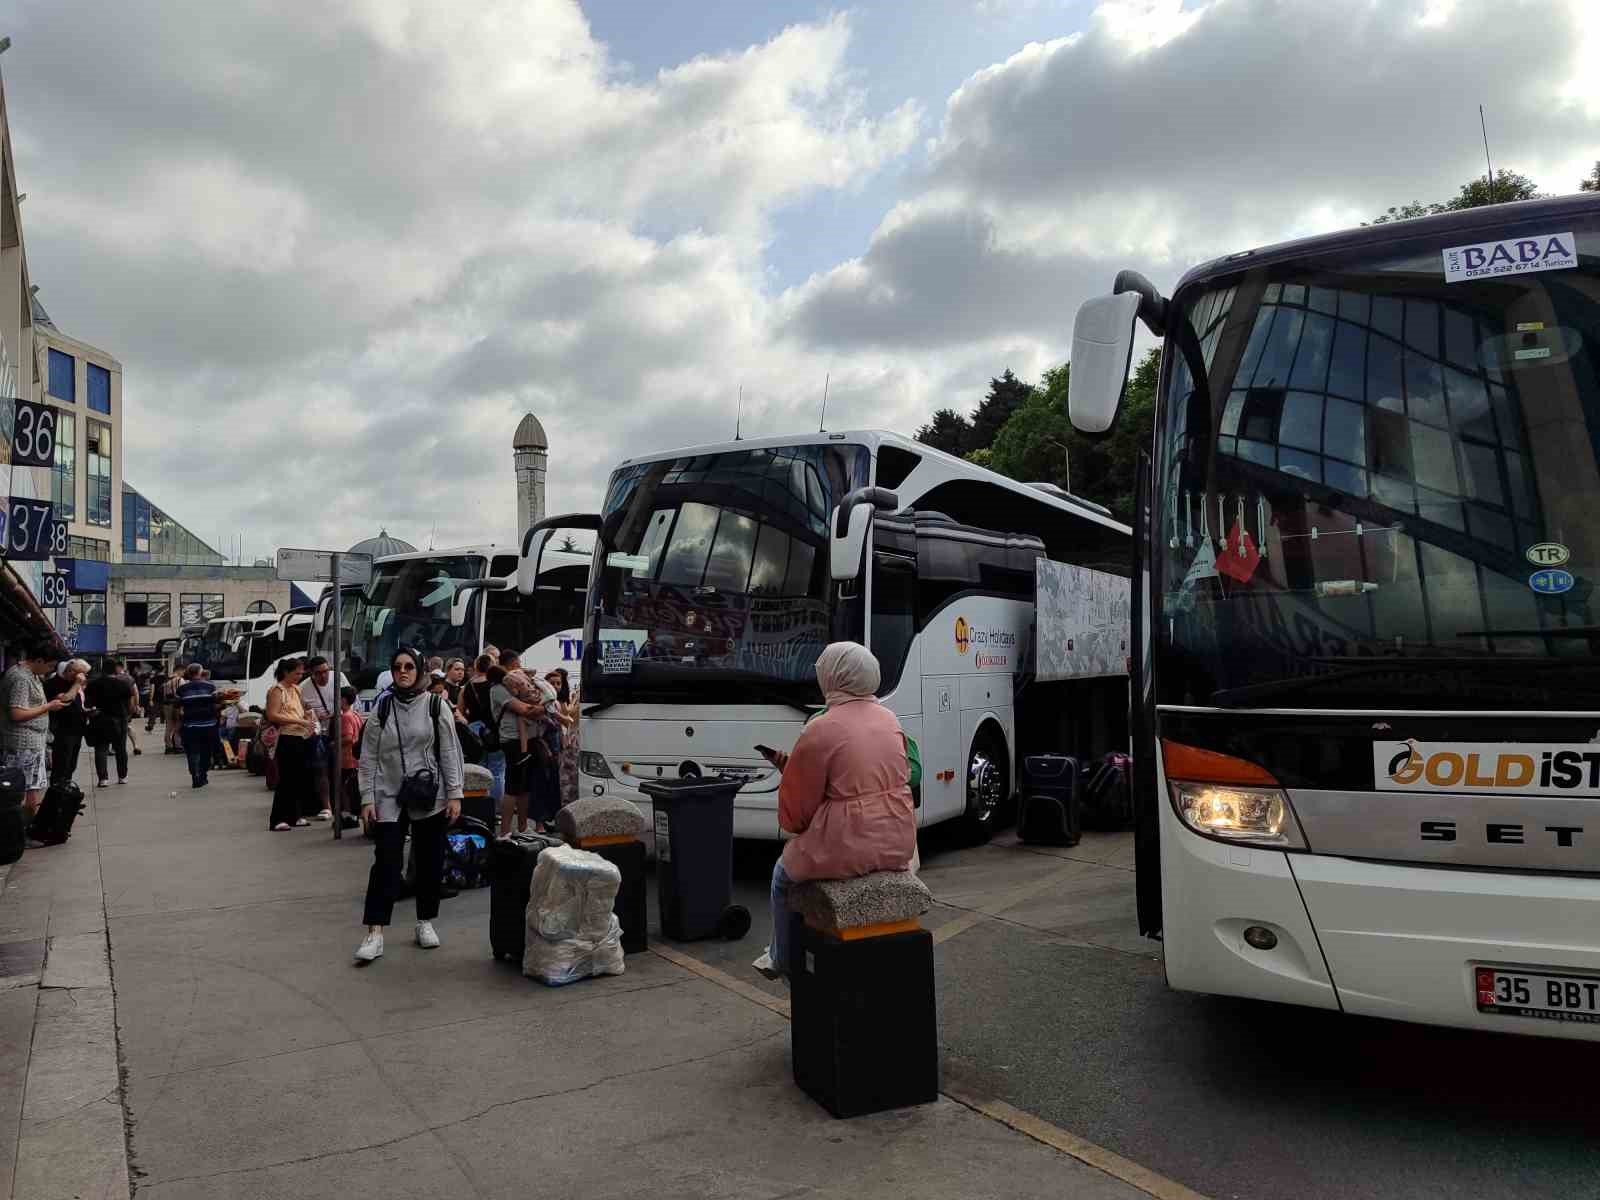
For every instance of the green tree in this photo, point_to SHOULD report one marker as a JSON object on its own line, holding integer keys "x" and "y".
{"x": 1039, "y": 445}
{"x": 948, "y": 431}
{"x": 1507, "y": 186}
{"x": 1591, "y": 181}
{"x": 1006, "y": 395}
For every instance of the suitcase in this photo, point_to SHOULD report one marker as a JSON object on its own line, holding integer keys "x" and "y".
{"x": 1108, "y": 793}
{"x": 1047, "y": 813}
{"x": 62, "y": 803}
{"x": 511, "y": 863}
{"x": 13, "y": 827}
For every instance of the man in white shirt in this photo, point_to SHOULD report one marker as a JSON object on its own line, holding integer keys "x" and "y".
{"x": 320, "y": 695}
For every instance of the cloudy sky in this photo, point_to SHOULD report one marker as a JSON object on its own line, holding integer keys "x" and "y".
{"x": 341, "y": 248}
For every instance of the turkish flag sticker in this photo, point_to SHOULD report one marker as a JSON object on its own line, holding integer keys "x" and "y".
{"x": 1239, "y": 556}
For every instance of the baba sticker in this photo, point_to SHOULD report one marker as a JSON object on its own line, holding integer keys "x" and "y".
{"x": 1510, "y": 256}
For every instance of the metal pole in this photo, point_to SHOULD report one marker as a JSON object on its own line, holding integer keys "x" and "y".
{"x": 338, "y": 707}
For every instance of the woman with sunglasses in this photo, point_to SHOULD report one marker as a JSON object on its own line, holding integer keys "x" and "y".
{"x": 410, "y": 777}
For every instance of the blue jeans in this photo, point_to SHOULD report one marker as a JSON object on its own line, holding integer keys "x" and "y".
{"x": 778, "y": 947}
{"x": 197, "y": 746}
{"x": 495, "y": 761}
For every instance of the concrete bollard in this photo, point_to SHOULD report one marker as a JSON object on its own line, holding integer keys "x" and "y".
{"x": 864, "y": 1032}
{"x": 610, "y": 827}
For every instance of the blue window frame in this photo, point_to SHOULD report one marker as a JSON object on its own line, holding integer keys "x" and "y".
{"x": 63, "y": 377}
{"x": 99, "y": 380}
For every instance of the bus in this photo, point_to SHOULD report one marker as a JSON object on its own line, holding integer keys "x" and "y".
{"x": 720, "y": 572}
{"x": 454, "y": 602}
{"x": 242, "y": 651}
{"x": 1367, "y": 669}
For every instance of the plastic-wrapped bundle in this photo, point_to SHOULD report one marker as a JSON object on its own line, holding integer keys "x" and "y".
{"x": 567, "y": 960}
{"x": 572, "y": 895}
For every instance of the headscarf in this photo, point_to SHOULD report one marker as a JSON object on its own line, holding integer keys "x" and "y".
{"x": 846, "y": 671}
{"x": 418, "y": 685}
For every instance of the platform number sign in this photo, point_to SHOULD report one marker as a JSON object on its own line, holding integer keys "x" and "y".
{"x": 31, "y": 532}
{"x": 33, "y": 435}
{"x": 54, "y": 592}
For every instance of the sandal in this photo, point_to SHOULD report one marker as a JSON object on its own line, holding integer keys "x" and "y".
{"x": 301, "y": 823}
{"x": 281, "y": 827}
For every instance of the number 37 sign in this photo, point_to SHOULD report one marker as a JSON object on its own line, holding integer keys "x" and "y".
{"x": 29, "y": 531}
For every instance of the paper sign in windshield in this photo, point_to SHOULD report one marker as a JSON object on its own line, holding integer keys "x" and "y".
{"x": 1510, "y": 768}
{"x": 1513, "y": 256}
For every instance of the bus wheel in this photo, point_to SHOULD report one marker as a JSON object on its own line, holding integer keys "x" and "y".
{"x": 986, "y": 786}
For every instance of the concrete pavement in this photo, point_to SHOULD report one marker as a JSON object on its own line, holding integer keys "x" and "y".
{"x": 260, "y": 1062}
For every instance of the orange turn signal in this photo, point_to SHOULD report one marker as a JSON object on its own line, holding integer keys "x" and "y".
{"x": 1195, "y": 765}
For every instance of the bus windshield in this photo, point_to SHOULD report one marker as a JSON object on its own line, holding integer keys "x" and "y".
{"x": 1377, "y": 485}
{"x": 713, "y": 570}
{"x": 223, "y": 649}
{"x": 408, "y": 604}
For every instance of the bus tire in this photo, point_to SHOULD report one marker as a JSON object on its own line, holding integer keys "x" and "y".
{"x": 987, "y": 785}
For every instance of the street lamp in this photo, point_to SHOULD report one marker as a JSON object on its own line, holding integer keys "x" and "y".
{"x": 1066, "y": 453}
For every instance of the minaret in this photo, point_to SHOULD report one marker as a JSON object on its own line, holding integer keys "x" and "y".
{"x": 530, "y": 449}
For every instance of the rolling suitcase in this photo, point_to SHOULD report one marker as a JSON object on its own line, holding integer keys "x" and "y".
{"x": 511, "y": 863}
{"x": 62, "y": 803}
{"x": 13, "y": 827}
{"x": 1047, "y": 813}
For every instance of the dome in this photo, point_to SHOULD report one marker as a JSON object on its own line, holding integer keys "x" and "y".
{"x": 530, "y": 435}
{"x": 381, "y": 545}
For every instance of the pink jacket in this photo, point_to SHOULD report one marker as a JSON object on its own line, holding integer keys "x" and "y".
{"x": 845, "y": 793}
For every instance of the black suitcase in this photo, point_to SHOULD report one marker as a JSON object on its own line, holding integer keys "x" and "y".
{"x": 511, "y": 863}
{"x": 62, "y": 803}
{"x": 1047, "y": 813}
{"x": 1108, "y": 793}
{"x": 13, "y": 827}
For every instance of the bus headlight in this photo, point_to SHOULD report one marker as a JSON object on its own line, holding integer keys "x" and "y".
{"x": 1229, "y": 798}
{"x": 591, "y": 763}
{"x": 1239, "y": 814}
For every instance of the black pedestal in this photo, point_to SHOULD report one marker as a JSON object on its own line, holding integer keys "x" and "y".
{"x": 628, "y": 857}
{"x": 864, "y": 1030}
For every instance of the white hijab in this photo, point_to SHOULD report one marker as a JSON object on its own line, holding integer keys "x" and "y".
{"x": 846, "y": 671}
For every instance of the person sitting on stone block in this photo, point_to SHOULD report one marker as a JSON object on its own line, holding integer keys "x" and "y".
{"x": 845, "y": 793}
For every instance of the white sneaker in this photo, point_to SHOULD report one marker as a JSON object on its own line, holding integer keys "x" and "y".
{"x": 371, "y": 947}
{"x": 765, "y": 965}
{"x": 427, "y": 938}
{"x": 325, "y": 815}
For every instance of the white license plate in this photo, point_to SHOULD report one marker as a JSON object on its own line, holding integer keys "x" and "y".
{"x": 1546, "y": 995}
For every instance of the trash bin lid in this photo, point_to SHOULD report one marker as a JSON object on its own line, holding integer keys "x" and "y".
{"x": 709, "y": 788}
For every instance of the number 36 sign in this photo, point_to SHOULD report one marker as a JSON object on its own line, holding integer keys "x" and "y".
{"x": 33, "y": 436}
{"x": 30, "y": 532}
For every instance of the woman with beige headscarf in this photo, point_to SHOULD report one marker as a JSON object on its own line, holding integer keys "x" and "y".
{"x": 845, "y": 794}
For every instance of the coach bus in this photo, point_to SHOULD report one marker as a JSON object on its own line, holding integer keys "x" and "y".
{"x": 1367, "y": 670}
{"x": 720, "y": 572}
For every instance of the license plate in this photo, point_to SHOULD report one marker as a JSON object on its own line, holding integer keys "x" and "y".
{"x": 1545, "y": 995}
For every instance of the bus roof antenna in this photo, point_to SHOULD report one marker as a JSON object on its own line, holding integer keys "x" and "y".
{"x": 822, "y": 422}
{"x": 738, "y": 413}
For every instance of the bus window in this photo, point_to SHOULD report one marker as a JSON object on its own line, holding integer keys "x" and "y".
{"x": 894, "y": 617}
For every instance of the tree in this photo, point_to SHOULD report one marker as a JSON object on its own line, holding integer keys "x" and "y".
{"x": 1507, "y": 186}
{"x": 569, "y": 544}
{"x": 1591, "y": 181}
{"x": 1006, "y": 395}
{"x": 948, "y": 431}
{"x": 1038, "y": 443}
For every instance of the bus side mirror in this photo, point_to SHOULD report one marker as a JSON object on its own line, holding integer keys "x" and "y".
{"x": 1102, "y": 349}
{"x": 851, "y": 522}
{"x": 459, "y": 599}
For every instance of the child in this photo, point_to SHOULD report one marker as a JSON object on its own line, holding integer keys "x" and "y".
{"x": 349, "y": 736}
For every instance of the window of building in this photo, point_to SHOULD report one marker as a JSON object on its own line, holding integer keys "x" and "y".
{"x": 196, "y": 608}
{"x": 150, "y": 609}
{"x": 63, "y": 376}
{"x": 89, "y": 608}
{"x": 261, "y": 606}
{"x": 99, "y": 387}
{"x": 99, "y": 477}
{"x": 64, "y": 481}
{"x": 95, "y": 549}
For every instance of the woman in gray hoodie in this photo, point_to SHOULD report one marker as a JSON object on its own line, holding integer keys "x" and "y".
{"x": 410, "y": 731}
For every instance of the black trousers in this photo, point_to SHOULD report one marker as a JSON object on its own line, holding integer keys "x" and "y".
{"x": 295, "y": 796}
{"x": 113, "y": 739}
{"x": 388, "y": 861}
{"x": 64, "y": 760}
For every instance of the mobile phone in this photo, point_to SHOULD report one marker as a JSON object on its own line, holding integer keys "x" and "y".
{"x": 766, "y": 752}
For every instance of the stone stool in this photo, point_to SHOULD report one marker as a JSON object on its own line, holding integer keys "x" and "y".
{"x": 610, "y": 827}
{"x": 864, "y": 1032}
{"x": 477, "y": 798}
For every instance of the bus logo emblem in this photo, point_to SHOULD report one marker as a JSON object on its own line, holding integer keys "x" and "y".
{"x": 1548, "y": 554}
{"x": 1552, "y": 582}
{"x": 963, "y": 635}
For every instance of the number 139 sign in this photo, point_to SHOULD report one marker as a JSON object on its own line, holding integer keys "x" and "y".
{"x": 33, "y": 435}
{"x": 30, "y": 531}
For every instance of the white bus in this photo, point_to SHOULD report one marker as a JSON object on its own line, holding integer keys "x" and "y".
{"x": 454, "y": 602}
{"x": 1367, "y": 675}
{"x": 242, "y": 651}
{"x": 720, "y": 572}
